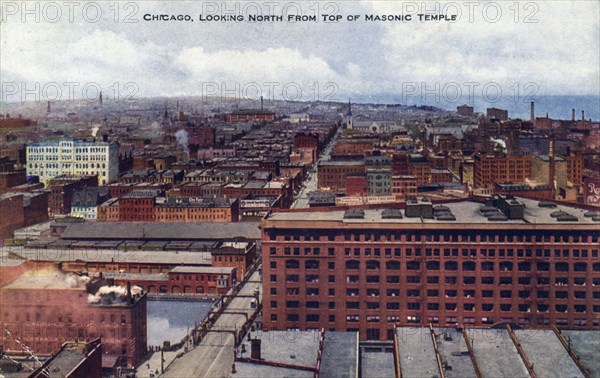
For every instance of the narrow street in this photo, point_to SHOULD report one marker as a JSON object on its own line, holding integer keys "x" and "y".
{"x": 311, "y": 184}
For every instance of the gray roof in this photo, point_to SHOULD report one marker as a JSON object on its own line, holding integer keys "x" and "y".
{"x": 552, "y": 360}
{"x": 466, "y": 212}
{"x": 90, "y": 197}
{"x": 587, "y": 347}
{"x": 417, "y": 354}
{"x": 454, "y": 352}
{"x": 496, "y": 354}
{"x": 106, "y": 255}
{"x": 377, "y": 364}
{"x": 162, "y": 230}
{"x": 202, "y": 269}
{"x": 340, "y": 355}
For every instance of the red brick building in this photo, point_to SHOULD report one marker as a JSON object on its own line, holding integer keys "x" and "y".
{"x": 138, "y": 206}
{"x": 307, "y": 143}
{"x": 62, "y": 189}
{"x": 250, "y": 116}
{"x": 22, "y": 209}
{"x": 11, "y": 203}
{"x": 457, "y": 264}
{"x": 239, "y": 255}
{"x": 197, "y": 209}
{"x": 404, "y": 187}
{"x": 43, "y": 308}
{"x": 575, "y": 168}
{"x": 333, "y": 174}
{"x": 489, "y": 169}
{"x": 357, "y": 184}
{"x": 181, "y": 280}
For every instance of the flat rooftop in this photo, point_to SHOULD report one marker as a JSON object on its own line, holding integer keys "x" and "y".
{"x": 162, "y": 230}
{"x": 111, "y": 256}
{"x": 48, "y": 280}
{"x": 202, "y": 269}
{"x": 466, "y": 212}
{"x": 453, "y": 350}
{"x": 417, "y": 354}
{"x": 340, "y": 355}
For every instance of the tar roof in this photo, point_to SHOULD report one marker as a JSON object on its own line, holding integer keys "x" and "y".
{"x": 162, "y": 230}
{"x": 340, "y": 355}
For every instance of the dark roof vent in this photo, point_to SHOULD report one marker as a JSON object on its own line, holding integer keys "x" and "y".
{"x": 596, "y": 219}
{"x": 441, "y": 208}
{"x": 567, "y": 218}
{"x": 354, "y": 214}
{"x": 391, "y": 214}
{"x": 591, "y": 214}
{"x": 547, "y": 204}
{"x": 447, "y": 216}
{"x": 558, "y": 213}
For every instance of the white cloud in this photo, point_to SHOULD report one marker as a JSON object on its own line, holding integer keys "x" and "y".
{"x": 560, "y": 52}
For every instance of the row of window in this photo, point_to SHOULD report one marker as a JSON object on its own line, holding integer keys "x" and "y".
{"x": 431, "y": 319}
{"x": 452, "y": 293}
{"x": 416, "y": 306}
{"x": 451, "y": 280}
{"x": 541, "y": 266}
{"x": 450, "y": 237}
{"x": 437, "y": 252}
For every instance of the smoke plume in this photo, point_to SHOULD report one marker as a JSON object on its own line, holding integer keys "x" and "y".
{"x": 182, "y": 139}
{"x": 118, "y": 291}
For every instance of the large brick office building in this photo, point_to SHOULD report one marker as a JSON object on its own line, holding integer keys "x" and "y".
{"x": 464, "y": 263}
{"x": 42, "y": 307}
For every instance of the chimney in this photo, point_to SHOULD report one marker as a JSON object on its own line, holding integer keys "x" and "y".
{"x": 552, "y": 166}
{"x": 532, "y": 118}
{"x": 255, "y": 349}
{"x": 129, "y": 299}
{"x": 573, "y": 114}
{"x": 583, "y": 115}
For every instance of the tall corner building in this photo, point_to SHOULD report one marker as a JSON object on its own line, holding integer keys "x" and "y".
{"x": 461, "y": 263}
{"x": 49, "y": 159}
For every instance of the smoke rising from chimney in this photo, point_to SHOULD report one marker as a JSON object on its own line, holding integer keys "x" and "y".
{"x": 182, "y": 140}
{"x": 119, "y": 291}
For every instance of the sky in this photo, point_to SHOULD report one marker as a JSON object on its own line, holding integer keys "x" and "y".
{"x": 513, "y": 48}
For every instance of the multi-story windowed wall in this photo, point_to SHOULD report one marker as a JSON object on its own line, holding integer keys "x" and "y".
{"x": 66, "y": 156}
{"x": 379, "y": 268}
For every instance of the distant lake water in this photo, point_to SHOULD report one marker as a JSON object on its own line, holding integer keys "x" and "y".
{"x": 171, "y": 320}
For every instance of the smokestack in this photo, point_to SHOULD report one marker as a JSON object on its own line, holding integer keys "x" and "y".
{"x": 552, "y": 166}
{"x": 583, "y": 115}
{"x": 532, "y": 118}
{"x": 255, "y": 349}
{"x": 261, "y": 103}
{"x": 573, "y": 114}
{"x": 128, "y": 291}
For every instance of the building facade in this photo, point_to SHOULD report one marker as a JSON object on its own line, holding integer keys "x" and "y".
{"x": 67, "y": 156}
{"x": 489, "y": 169}
{"x": 43, "y": 307}
{"x": 464, "y": 263}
